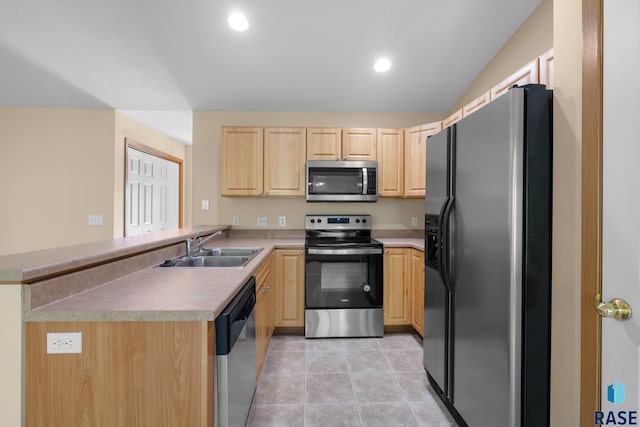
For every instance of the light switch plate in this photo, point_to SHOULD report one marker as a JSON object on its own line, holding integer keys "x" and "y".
{"x": 205, "y": 205}
{"x": 235, "y": 220}
{"x": 414, "y": 221}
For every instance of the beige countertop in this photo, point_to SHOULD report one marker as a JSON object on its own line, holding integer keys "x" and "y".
{"x": 158, "y": 293}
{"x": 154, "y": 293}
{"x": 30, "y": 266}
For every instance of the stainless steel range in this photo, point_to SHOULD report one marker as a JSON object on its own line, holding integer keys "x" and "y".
{"x": 343, "y": 277}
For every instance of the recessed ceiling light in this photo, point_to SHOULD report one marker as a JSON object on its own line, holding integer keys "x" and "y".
{"x": 382, "y": 65}
{"x": 238, "y": 21}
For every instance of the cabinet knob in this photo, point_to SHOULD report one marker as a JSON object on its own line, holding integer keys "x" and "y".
{"x": 259, "y": 193}
{"x": 265, "y": 289}
{"x": 301, "y": 252}
{"x": 345, "y": 157}
{"x": 387, "y": 252}
{"x": 266, "y": 193}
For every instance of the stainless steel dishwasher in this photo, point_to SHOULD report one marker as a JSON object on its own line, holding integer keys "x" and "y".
{"x": 236, "y": 358}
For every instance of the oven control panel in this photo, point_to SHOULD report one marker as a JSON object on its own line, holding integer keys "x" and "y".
{"x": 338, "y": 222}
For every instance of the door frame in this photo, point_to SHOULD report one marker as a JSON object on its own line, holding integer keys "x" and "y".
{"x": 591, "y": 259}
{"x": 130, "y": 143}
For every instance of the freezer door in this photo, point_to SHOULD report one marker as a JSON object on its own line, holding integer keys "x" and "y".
{"x": 437, "y": 172}
{"x": 487, "y": 260}
{"x": 435, "y": 342}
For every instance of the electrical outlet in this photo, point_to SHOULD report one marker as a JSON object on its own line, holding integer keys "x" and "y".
{"x": 414, "y": 221}
{"x": 205, "y": 205}
{"x": 95, "y": 219}
{"x": 235, "y": 220}
{"x": 64, "y": 342}
{"x": 282, "y": 221}
{"x": 262, "y": 221}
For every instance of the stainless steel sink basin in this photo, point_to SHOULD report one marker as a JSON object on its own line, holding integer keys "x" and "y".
{"x": 250, "y": 252}
{"x": 212, "y": 261}
{"x": 215, "y": 257}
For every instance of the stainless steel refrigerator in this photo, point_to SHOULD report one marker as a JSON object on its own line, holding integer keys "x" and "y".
{"x": 488, "y": 262}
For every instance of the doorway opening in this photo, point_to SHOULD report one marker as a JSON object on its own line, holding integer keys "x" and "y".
{"x": 153, "y": 190}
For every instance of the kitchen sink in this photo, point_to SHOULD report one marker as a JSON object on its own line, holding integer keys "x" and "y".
{"x": 215, "y": 257}
{"x": 212, "y": 261}
{"x": 248, "y": 252}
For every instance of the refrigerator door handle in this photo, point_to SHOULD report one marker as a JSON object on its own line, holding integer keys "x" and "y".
{"x": 446, "y": 245}
{"x": 442, "y": 233}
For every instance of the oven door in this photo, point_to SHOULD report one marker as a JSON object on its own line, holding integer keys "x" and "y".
{"x": 343, "y": 277}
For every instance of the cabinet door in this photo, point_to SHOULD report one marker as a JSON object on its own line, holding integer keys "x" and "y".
{"x": 324, "y": 143}
{"x": 285, "y": 152}
{"x": 241, "y": 161}
{"x": 476, "y": 104}
{"x": 290, "y": 287}
{"x": 417, "y": 292}
{"x": 359, "y": 144}
{"x": 260, "y": 311}
{"x": 525, "y": 75}
{"x": 546, "y": 69}
{"x": 415, "y": 158}
{"x": 264, "y": 312}
{"x": 390, "y": 162}
{"x": 397, "y": 282}
{"x": 453, "y": 118}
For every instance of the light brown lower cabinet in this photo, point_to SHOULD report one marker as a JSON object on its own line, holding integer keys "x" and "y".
{"x": 128, "y": 374}
{"x": 290, "y": 287}
{"x": 417, "y": 291}
{"x": 265, "y": 311}
{"x": 397, "y": 283}
{"x": 404, "y": 288}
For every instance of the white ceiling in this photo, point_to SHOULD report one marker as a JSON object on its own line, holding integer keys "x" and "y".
{"x": 298, "y": 55}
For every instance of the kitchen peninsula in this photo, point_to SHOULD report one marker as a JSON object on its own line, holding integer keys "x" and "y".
{"x": 143, "y": 327}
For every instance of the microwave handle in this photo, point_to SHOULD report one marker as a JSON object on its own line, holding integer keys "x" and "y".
{"x": 365, "y": 180}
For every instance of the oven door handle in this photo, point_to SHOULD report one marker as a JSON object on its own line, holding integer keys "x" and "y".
{"x": 346, "y": 251}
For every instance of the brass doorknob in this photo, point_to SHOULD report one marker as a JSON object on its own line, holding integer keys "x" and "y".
{"x": 617, "y": 308}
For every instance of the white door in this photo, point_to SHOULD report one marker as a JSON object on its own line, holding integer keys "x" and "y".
{"x": 152, "y": 193}
{"x": 621, "y": 208}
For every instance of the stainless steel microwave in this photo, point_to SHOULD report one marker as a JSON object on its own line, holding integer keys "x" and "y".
{"x": 336, "y": 181}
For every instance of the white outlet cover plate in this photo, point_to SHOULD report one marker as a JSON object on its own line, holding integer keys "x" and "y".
{"x": 64, "y": 342}
{"x": 262, "y": 221}
{"x": 282, "y": 221}
{"x": 95, "y": 220}
{"x": 236, "y": 220}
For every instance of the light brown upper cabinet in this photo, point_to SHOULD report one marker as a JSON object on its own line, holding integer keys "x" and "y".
{"x": 390, "y": 162}
{"x": 453, "y": 118}
{"x": 241, "y": 161}
{"x": 546, "y": 69}
{"x": 324, "y": 143}
{"x": 263, "y": 162}
{"x": 525, "y": 75}
{"x": 476, "y": 104}
{"x": 284, "y": 161}
{"x": 415, "y": 158}
{"x": 359, "y": 144}
{"x": 341, "y": 144}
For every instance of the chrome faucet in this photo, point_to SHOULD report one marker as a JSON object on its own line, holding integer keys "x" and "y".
{"x": 201, "y": 241}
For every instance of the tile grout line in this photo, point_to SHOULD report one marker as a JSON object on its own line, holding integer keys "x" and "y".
{"x": 353, "y": 389}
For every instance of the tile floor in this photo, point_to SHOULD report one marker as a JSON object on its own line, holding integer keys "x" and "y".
{"x": 346, "y": 382}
